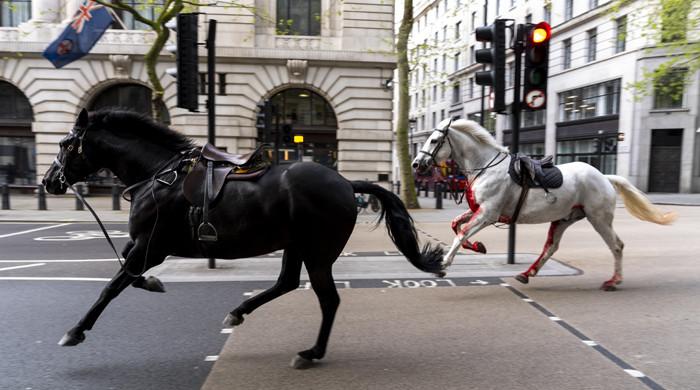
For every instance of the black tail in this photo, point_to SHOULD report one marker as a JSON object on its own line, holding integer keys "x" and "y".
{"x": 399, "y": 224}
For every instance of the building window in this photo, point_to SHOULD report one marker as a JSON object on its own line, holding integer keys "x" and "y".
{"x": 566, "y": 53}
{"x": 456, "y": 94}
{"x": 442, "y": 91}
{"x": 674, "y": 20}
{"x": 435, "y": 65}
{"x": 591, "y": 101}
{"x": 458, "y": 27}
{"x": 489, "y": 121}
{"x": 15, "y": 12}
{"x": 473, "y": 20}
{"x": 435, "y": 40}
{"x": 600, "y": 152}
{"x": 442, "y": 115}
{"x": 592, "y": 4}
{"x": 511, "y": 74}
{"x": 547, "y": 13}
{"x": 669, "y": 88}
{"x": 434, "y": 93}
{"x": 592, "y": 37}
{"x": 472, "y": 56}
{"x": 457, "y": 61}
{"x": 498, "y": 7}
{"x": 434, "y": 119}
{"x": 534, "y": 150}
{"x": 299, "y": 17}
{"x": 620, "y": 34}
{"x": 444, "y": 33}
{"x": 471, "y": 88}
{"x": 444, "y": 62}
{"x": 528, "y": 18}
{"x": 150, "y": 10}
{"x": 568, "y": 9}
{"x": 533, "y": 118}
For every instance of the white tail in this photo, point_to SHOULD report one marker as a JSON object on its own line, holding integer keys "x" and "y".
{"x": 638, "y": 204}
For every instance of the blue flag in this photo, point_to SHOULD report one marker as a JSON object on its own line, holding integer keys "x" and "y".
{"x": 80, "y": 35}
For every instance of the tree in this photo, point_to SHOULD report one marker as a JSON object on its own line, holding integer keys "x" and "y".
{"x": 408, "y": 188}
{"x": 170, "y": 9}
{"x": 671, "y": 26}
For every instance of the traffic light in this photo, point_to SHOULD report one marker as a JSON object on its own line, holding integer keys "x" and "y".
{"x": 287, "y": 135}
{"x": 536, "y": 65}
{"x": 187, "y": 60}
{"x": 263, "y": 120}
{"x": 496, "y": 57}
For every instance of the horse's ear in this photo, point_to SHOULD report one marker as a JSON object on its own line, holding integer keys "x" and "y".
{"x": 82, "y": 121}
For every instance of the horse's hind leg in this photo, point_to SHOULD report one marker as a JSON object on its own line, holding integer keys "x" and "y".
{"x": 457, "y": 223}
{"x": 603, "y": 226}
{"x": 556, "y": 231}
{"x": 286, "y": 282}
{"x": 323, "y": 284}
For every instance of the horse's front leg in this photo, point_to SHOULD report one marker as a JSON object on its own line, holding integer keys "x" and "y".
{"x": 135, "y": 264}
{"x": 478, "y": 221}
{"x": 457, "y": 223}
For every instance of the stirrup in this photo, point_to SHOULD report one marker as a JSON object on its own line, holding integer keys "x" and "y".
{"x": 207, "y": 232}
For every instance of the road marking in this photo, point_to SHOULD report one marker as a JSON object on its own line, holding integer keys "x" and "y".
{"x": 22, "y": 266}
{"x": 227, "y": 330}
{"x": 58, "y": 261}
{"x": 33, "y": 230}
{"x": 211, "y": 358}
{"x": 55, "y": 279}
{"x": 650, "y": 383}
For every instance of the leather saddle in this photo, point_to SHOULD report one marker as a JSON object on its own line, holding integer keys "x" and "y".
{"x": 211, "y": 170}
{"x": 534, "y": 173}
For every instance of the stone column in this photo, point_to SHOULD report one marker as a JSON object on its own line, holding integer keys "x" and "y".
{"x": 46, "y": 11}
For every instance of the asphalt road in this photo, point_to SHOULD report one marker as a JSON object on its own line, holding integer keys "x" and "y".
{"x": 51, "y": 273}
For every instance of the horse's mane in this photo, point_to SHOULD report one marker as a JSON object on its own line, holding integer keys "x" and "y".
{"x": 480, "y": 134}
{"x": 122, "y": 121}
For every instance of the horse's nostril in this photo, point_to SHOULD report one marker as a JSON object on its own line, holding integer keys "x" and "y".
{"x": 415, "y": 165}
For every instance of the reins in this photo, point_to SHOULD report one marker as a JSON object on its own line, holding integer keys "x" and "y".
{"x": 159, "y": 172}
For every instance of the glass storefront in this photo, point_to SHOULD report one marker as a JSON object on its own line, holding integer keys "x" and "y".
{"x": 590, "y": 101}
{"x": 600, "y": 152}
{"x": 17, "y": 149}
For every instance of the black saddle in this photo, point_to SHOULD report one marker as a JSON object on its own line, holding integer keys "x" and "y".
{"x": 211, "y": 170}
{"x": 535, "y": 173}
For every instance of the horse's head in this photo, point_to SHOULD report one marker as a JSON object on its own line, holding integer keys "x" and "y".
{"x": 71, "y": 164}
{"x": 437, "y": 148}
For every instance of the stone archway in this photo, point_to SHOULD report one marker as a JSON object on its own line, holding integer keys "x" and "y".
{"x": 131, "y": 96}
{"x": 303, "y": 112}
{"x": 17, "y": 145}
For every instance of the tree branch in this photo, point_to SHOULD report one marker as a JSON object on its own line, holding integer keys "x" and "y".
{"x": 118, "y": 5}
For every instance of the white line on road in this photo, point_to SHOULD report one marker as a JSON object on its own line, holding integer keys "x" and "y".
{"x": 58, "y": 261}
{"x": 211, "y": 358}
{"x": 55, "y": 279}
{"x": 22, "y": 266}
{"x": 33, "y": 230}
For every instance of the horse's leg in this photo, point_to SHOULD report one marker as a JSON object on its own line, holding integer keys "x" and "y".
{"x": 556, "y": 231}
{"x": 603, "y": 225}
{"x": 476, "y": 246}
{"x": 149, "y": 284}
{"x": 478, "y": 221}
{"x": 286, "y": 282}
{"x": 119, "y": 282}
{"x": 322, "y": 282}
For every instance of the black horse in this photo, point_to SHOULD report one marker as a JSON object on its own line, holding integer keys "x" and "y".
{"x": 305, "y": 209}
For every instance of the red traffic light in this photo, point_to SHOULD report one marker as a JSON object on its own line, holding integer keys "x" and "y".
{"x": 540, "y": 33}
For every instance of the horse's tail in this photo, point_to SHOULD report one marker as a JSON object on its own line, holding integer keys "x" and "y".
{"x": 638, "y": 204}
{"x": 399, "y": 224}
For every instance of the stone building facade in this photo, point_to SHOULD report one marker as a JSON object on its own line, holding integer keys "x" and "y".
{"x": 597, "y": 51}
{"x": 327, "y": 72}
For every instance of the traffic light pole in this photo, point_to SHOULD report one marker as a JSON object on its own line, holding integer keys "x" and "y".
{"x": 211, "y": 94}
{"x": 515, "y": 124}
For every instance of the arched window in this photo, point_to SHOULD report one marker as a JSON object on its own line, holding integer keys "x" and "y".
{"x": 17, "y": 150}
{"x": 133, "y": 97}
{"x": 299, "y": 17}
{"x": 14, "y": 12}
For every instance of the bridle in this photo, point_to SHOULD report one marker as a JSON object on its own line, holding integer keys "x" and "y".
{"x": 77, "y": 134}
{"x": 439, "y": 145}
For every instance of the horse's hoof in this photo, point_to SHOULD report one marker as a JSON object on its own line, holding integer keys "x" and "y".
{"x": 524, "y": 279}
{"x": 480, "y": 248}
{"x": 300, "y": 363}
{"x": 153, "y": 284}
{"x": 233, "y": 320}
{"x": 440, "y": 274}
{"x": 608, "y": 287}
{"x": 72, "y": 338}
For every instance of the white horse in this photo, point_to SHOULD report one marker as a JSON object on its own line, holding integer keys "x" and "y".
{"x": 493, "y": 196}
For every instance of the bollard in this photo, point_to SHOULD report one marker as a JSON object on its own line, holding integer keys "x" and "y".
{"x": 398, "y": 188}
{"x": 427, "y": 187}
{"x": 444, "y": 193}
{"x": 115, "y": 196}
{"x": 42, "y": 196}
{"x": 5, "y": 196}
{"x": 438, "y": 196}
{"x": 418, "y": 190}
{"x": 78, "y": 203}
